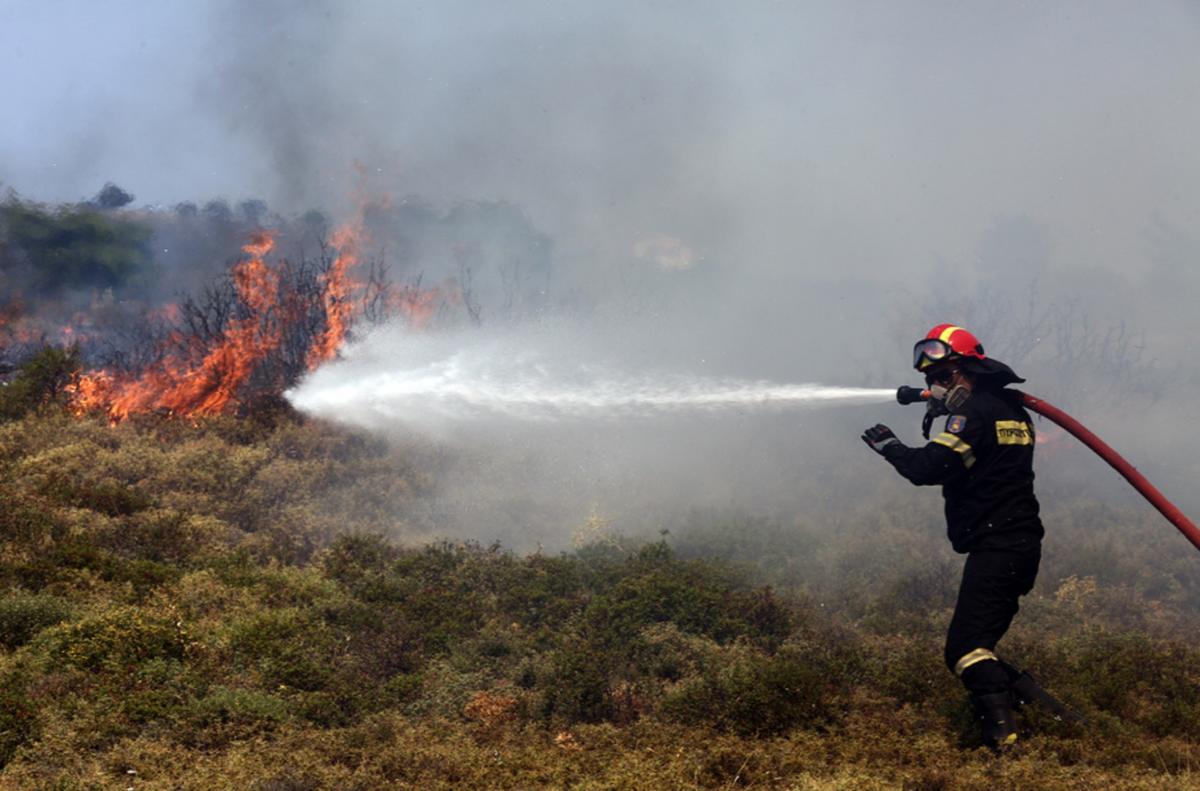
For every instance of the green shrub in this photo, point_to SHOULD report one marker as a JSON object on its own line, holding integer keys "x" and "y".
{"x": 352, "y": 557}
{"x": 289, "y": 647}
{"x": 163, "y": 535}
{"x": 41, "y": 381}
{"x": 667, "y": 654}
{"x": 696, "y": 596}
{"x": 1151, "y": 682}
{"x": 576, "y": 687}
{"x": 143, "y": 575}
{"x": 27, "y": 522}
{"x": 160, "y": 691}
{"x": 116, "y": 640}
{"x": 236, "y": 569}
{"x": 18, "y": 715}
{"x": 23, "y": 615}
{"x": 754, "y": 695}
{"x": 226, "y": 714}
{"x": 910, "y": 670}
{"x": 327, "y": 709}
{"x": 544, "y": 593}
{"x": 443, "y": 591}
{"x": 78, "y": 553}
{"x": 108, "y": 496}
{"x": 401, "y": 688}
{"x": 906, "y": 604}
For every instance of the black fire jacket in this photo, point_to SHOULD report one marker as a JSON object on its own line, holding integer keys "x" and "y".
{"x": 984, "y": 463}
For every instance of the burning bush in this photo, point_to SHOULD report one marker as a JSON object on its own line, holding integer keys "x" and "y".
{"x": 227, "y": 347}
{"x": 86, "y": 278}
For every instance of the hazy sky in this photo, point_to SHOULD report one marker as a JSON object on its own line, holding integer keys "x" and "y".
{"x": 853, "y": 136}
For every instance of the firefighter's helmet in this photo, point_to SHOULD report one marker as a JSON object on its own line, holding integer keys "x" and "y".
{"x": 946, "y": 342}
{"x": 949, "y": 342}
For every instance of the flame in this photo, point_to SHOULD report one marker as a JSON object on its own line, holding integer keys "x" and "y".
{"x": 180, "y": 386}
{"x": 195, "y": 376}
{"x": 338, "y": 284}
{"x": 91, "y": 392}
{"x": 338, "y": 287}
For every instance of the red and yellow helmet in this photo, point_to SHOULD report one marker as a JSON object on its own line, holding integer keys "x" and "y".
{"x": 946, "y": 342}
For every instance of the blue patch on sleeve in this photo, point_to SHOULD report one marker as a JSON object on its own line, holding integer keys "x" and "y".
{"x": 956, "y": 424}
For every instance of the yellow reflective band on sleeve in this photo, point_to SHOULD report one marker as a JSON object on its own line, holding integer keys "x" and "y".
{"x": 957, "y": 445}
{"x": 976, "y": 656}
{"x": 1014, "y": 432}
{"x": 946, "y": 333}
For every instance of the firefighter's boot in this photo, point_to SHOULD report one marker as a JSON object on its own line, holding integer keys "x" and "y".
{"x": 996, "y": 717}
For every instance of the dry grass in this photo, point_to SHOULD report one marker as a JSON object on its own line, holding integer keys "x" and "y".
{"x": 211, "y": 606}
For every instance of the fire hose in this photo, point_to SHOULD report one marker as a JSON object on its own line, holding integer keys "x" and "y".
{"x": 911, "y": 395}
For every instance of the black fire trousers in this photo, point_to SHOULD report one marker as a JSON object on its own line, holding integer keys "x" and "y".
{"x": 992, "y": 582}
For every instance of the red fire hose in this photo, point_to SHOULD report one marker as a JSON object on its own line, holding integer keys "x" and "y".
{"x": 1102, "y": 449}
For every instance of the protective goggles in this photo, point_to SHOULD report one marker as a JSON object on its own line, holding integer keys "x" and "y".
{"x": 930, "y": 351}
{"x": 943, "y": 377}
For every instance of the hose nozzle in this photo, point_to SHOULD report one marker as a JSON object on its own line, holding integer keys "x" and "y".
{"x": 911, "y": 395}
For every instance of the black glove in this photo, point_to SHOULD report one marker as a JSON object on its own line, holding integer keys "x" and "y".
{"x": 879, "y": 437}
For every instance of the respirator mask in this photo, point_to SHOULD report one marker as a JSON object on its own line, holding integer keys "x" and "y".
{"x": 949, "y": 398}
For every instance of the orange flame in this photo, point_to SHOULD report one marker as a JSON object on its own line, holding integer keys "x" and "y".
{"x": 207, "y": 387}
{"x": 205, "y": 380}
{"x": 338, "y": 287}
{"x": 91, "y": 392}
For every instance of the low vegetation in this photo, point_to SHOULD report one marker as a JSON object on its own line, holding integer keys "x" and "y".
{"x": 259, "y": 603}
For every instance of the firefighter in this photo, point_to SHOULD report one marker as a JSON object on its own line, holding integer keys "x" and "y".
{"x": 983, "y": 460}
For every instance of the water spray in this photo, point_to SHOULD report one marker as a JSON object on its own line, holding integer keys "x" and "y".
{"x": 438, "y": 383}
{"x": 405, "y": 397}
{"x": 912, "y": 395}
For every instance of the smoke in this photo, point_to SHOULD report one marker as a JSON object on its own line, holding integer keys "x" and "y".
{"x": 766, "y": 192}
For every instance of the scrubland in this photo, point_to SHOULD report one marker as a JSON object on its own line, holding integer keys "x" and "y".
{"x": 262, "y": 603}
